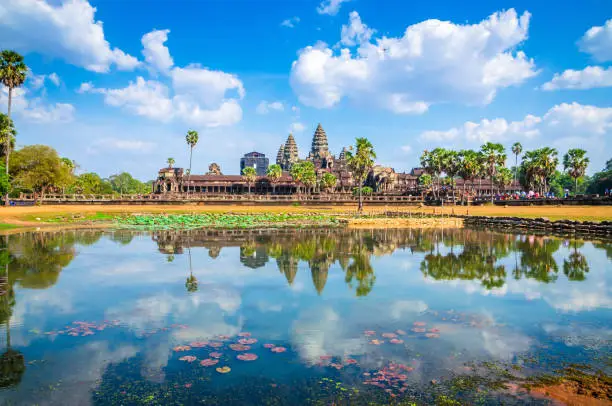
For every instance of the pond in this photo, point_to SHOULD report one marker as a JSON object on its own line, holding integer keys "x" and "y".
{"x": 296, "y": 316}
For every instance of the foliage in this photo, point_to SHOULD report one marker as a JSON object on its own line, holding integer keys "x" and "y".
{"x": 575, "y": 163}
{"x": 538, "y": 167}
{"x": 7, "y": 126}
{"x": 304, "y": 172}
{"x": 366, "y": 191}
{"x": 38, "y": 168}
{"x": 274, "y": 173}
{"x": 250, "y": 175}
{"x": 92, "y": 183}
{"x": 494, "y": 157}
{"x": 124, "y": 183}
{"x": 328, "y": 181}
{"x": 601, "y": 180}
{"x": 425, "y": 180}
{"x": 4, "y": 181}
{"x": 503, "y": 178}
{"x": 170, "y": 162}
{"x": 360, "y": 163}
{"x": 13, "y": 70}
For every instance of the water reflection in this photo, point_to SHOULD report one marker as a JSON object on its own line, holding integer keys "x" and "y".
{"x": 223, "y": 283}
{"x": 455, "y": 254}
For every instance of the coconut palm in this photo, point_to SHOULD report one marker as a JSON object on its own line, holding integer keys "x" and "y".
{"x": 250, "y": 175}
{"x": 170, "y": 162}
{"x": 192, "y": 140}
{"x": 575, "y": 163}
{"x": 274, "y": 174}
{"x": 13, "y": 72}
{"x": 494, "y": 158}
{"x": 360, "y": 163}
{"x": 517, "y": 148}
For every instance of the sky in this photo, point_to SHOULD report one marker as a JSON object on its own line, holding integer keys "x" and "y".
{"x": 116, "y": 85}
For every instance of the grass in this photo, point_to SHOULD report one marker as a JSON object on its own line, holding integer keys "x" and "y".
{"x": 4, "y": 226}
{"x": 35, "y": 216}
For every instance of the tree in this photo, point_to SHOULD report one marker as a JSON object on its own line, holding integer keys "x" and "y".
{"x": 7, "y": 127}
{"x": 538, "y": 167}
{"x": 601, "y": 180}
{"x": 92, "y": 183}
{"x": 432, "y": 162}
{"x": 425, "y": 180}
{"x": 250, "y": 175}
{"x": 121, "y": 183}
{"x": 517, "y": 148}
{"x": 360, "y": 163}
{"x": 575, "y": 163}
{"x": 328, "y": 181}
{"x": 304, "y": 172}
{"x": 4, "y": 181}
{"x": 13, "y": 72}
{"x": 38, "y": 168}
{"x": 469, "y": 167}
{"x": 503, "y": 178}
{"x": 170, "y": 162}
{"x": 494, "y": 157}
{"x": 192, "y": 140}
{"x": 451, "y": 166}
{"x": 274, "y": 174}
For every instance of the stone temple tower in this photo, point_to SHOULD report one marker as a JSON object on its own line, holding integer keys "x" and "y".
{"x": 290, "y": 153}
{"x": 280, "y": 156}
{"x": 320, "y": 148}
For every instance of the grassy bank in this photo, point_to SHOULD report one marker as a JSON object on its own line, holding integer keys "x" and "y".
{"x": 132, "y": 215}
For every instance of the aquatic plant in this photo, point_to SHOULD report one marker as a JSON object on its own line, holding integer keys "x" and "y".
{"x": 247, "y": 357}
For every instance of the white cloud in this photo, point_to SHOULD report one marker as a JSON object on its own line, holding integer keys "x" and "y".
{"x": 54, "y": 78}
{"x": 155, "y": 52}
{"x": 406, "y": 148}
{"x": 558, "y": 127}
{"x": 597, "y": 42}
{"x": 85, "y": 87}
{"x": 297, "y": 127}
{"x": 35, "y": 109}
{"x": 291, "y": 22}
{"x": 433, "y": 62}
{"x": 589, "y": 78}
{"x": 121, "y": 144}
{"x": 68, "y": 31}
{"x": 35, "y": 81}
{"x": 330, "y": 7}
{"x": 264, "y": 107}
{"x": 355, "y": 32}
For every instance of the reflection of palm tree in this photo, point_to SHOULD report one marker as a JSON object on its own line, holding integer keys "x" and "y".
{"x": 577, "y": 265}
{"x": 191, "y": 284}
{"x": 361, "y": 269}
{"x": 214, "y": 252}
{"x": 319, "y": 272}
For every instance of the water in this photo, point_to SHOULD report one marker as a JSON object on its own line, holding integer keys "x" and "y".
{"x": 96, "y": 317}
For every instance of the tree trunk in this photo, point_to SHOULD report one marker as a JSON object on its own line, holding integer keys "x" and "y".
{"x": 360, "y": 204}
{"x": 189, "y": 176}
{"x": 7, "y": 152}
{"x": 575, "y": 186}
{"x": 491, "y": 177}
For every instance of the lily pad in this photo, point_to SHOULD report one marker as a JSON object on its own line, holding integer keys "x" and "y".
{"x": 239, "y": 347}
{"x": 223, "y": 370}
{"x": 247, "y": 341}
{"x": 199, "y": 344}
{"x": 188, "y": 358}
{"x": 396, "y": 341}
{"x": 268, "y": 345}
{"x": 389, "y": 335}
{"x": 278, "y": 349}
{"x": 180, "y": 348}
{"x": 247, "y": 357}
{"x": 215, "y": 354}
{"x": 209, "y": 362}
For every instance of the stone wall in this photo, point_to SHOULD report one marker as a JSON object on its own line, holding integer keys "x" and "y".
{"x": 560, "y": 227}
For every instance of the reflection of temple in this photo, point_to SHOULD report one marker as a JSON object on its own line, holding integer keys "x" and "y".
{"x": 455, "y": 254}
{"x": 381, "y": 179}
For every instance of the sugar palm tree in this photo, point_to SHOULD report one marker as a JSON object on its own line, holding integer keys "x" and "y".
{"x": 360, "y": 163}
{"x": 192, "y": 140}
{"x": 494, "y": 157}
{"x": 575, "y": 163}
{"x": 503, "y": 178}
{"x": 250, "y": 175}
{"x": 7, "y": 128}
{"x": 13, "y": 72}
{"x": 517, "y": 148}
{"x": 274, "y": 174}
{"x": 468, "y": 168}
{"x": 328, "y": 181}
{"x": 170, "y": 162}
{"x": 451, "y": 166}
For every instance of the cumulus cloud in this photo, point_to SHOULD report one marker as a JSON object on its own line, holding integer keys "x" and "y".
{"x": 297, "y": 127}
{"x": 566, "y": 125}
{"x": 265, "y": 107}
{"x": 32, "y": 108}
{"x": 597, "y": 42}
{"x": 115, "y": 144}
{"x": 195, "y": 95}
{"x": 589, "y": 78}
{"x": 156, "y": 54}
{"x": 66, "y": 30}
{"x": 291, "y": 22}
{"x": 330, "y": 7}
{"x": 35, "y": 81}
{"x": 433, "y": 62}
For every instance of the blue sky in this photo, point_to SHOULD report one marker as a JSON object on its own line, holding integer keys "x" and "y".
{"x": 116, "y": 85}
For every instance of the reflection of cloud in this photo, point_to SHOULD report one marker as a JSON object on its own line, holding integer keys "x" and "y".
{"x": 580, "y": 336}
{"x": 400, "y": 307}
{"x": 79, "y": 370}
{"x": 156, "y": 356}
{"x": 319, "y": 332}
{"x": 504, "y": 345}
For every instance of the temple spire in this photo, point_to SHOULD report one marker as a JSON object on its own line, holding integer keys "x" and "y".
{"x": 290, "y": 153}
{"x": 280, "y": 155}
{"x": 320, "y": 147}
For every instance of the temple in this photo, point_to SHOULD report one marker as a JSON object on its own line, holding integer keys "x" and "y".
{"x": 383, "y": 180}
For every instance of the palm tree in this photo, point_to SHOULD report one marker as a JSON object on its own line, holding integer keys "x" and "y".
{"x": 503, "y": 178}
{"x": 297, "y": 174}
{"x": 191, "y": 284}
{"x": 575, "y": 163}
{"x": 468, "y": 167}
{"x": 13, "y": 72}
{"x": 328, "y": 181}
{"x": 451, "y": 166}
{"x": 250, "y": 175}
{"x": 170, "y": 162}
{"x": 494, "y": 157}
{"x": 274, "y": 174}
{"x": 517, "y": 148}
{"x": 360, "y": 163}
{"x": 192, "y": 139}
{"x": 7, "y": 127}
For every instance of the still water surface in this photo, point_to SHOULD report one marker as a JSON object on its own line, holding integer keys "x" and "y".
{"x": 296, "y": 317}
